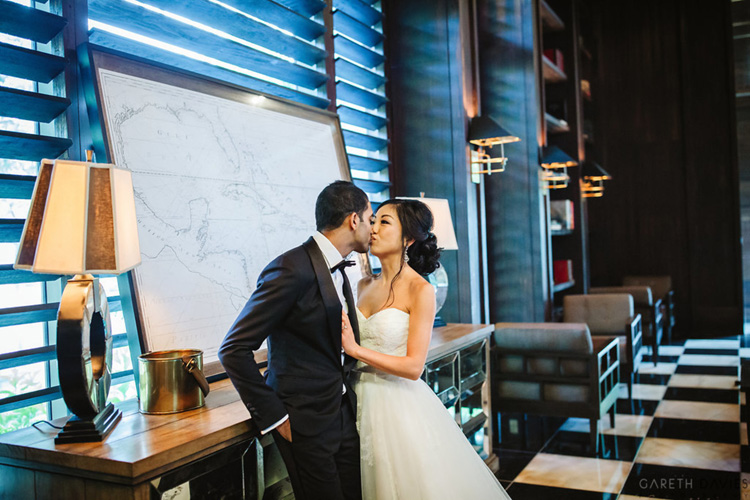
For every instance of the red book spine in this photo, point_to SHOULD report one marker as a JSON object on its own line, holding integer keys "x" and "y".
{"x": 556, "y": 56}
{"x": 562, "y": 271}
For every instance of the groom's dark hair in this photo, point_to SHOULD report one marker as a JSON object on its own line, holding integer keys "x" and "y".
{"x": 336, "y": 202}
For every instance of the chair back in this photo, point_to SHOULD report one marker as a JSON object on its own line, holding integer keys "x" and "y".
{"x": 606, "y": 313}
{"x": 543, "y": 362}
{"x": 660, "y": 285}
{"x": 564, "y": 337}
{"x": 641, "y": 293}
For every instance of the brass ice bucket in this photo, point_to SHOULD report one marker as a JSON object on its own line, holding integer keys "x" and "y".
{"x": 171, "y": 381}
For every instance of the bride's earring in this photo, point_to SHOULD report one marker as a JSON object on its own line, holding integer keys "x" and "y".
{"x": 406, "y": 255}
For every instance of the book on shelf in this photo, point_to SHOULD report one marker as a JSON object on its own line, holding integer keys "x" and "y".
{"x": 562, "y": 271}
{"x": 561, "y": 214}
{"x": 556, "y": 57}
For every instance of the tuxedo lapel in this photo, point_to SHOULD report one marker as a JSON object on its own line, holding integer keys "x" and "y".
{"x": 327, "y": 290}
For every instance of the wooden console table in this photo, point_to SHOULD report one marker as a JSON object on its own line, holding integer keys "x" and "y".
{"x": 143, "y": 449}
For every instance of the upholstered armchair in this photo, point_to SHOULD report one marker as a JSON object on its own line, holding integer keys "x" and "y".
{"x": 610, "y": 314}
{"x": 554, "y": 369}
{"x": 645, "y": 304}
{"x": 661, "y": 287}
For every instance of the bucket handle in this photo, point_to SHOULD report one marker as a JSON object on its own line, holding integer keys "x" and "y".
{"x": 189, "y": 364}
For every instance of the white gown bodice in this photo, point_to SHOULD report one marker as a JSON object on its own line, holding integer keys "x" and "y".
{"x": 385, "y": 331}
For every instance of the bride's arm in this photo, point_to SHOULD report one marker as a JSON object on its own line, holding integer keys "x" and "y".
{"x": 421, "y": 317}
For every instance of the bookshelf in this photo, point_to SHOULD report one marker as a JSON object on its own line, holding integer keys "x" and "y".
{"x": 552, "y": 73}
{"x": 567, "y": 99}
{"x": 555, "y": 125}
{"x": 559, "y": 287}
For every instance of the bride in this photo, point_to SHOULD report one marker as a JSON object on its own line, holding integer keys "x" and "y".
{"x": 411, "y": 448}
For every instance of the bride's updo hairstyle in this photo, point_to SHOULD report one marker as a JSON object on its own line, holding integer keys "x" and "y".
{"x": 416, "y": 221}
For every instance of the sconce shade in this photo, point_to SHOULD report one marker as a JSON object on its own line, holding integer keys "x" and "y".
{"x": 484, "y": 131}
{"x": 81, "y": 221}
{"x": 442, "y": 221}
{"x": 554, "y": 157}
{"x": 592, "y": 171}
{"x": 555, "y": 163}
{"x": 592, "y": 179}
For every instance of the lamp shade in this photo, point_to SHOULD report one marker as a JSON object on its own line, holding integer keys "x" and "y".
{"x": 82, "y": 220}
{"x": 443, "y": 223}
{"x": 554, "y": 157}
{"x": 484, "y": 131}
{"x": 590, "y": 170}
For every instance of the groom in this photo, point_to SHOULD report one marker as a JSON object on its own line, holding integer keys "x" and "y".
{"x": 306, "y": 399}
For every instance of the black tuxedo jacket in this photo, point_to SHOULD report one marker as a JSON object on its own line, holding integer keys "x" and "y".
{"x": 296, "y": 307}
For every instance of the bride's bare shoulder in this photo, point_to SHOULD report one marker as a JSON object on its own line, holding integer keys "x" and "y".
{"x": 421, "y": 294}
{"x": 365, "y": 282}
{"x": 419, "y": 285}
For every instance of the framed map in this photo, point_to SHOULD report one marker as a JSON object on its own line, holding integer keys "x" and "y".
{"x": 225, "y": 179}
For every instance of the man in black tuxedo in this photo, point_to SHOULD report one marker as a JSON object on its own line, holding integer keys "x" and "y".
{"x": 306, "y": 399}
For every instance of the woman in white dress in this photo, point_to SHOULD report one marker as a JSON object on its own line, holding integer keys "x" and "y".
{"x": 411, "y": 448}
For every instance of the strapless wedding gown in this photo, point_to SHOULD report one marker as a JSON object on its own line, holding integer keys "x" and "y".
{"x": 411, "y": 448}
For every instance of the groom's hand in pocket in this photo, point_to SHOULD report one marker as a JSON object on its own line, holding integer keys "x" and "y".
{"x": 285, "y": 430}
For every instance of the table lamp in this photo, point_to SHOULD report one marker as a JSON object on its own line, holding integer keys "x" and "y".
{"x": 443, "y": 230}
{"x": 82, "y": 222}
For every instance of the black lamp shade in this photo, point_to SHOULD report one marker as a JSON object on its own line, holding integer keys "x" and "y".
{"x": 554, "y": 157}
{"x": 593, "y": 171}
{"x": 484, "y": 131}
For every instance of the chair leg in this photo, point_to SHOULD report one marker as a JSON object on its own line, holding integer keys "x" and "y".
{"x": 655, "y": 348}
{"x": 612, "y": 416}
{"x": 631, "y": 380}
{"x": 669, "y": 339}
{"x": 594, "y": 441}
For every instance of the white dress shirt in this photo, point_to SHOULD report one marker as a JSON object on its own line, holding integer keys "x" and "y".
{"x": 332, "y": 257}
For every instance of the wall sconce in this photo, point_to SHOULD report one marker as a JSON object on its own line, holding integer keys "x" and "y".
{"x": 485, "y": 132}
{"x": 82, "y": 222}
{"x": 592, "y": 179}
{"x": 442, "y": 228}
{"x": 555, "y": 163}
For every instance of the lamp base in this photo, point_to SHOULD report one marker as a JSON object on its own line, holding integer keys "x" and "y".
{"x": 79, "y": 430}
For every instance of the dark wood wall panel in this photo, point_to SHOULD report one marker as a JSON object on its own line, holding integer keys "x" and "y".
{"x": 428, "y": 129}
{"x": 508, "y": 93}
{"x": 741, "y": 45}
{"x": 710, "y": 165}
{"x": 666, "y": 97}
{"x": 741, "y": 32}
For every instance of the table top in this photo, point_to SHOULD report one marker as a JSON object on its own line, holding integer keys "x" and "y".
{"x": 455, "y": 336}
{"x": 145, "y": 446}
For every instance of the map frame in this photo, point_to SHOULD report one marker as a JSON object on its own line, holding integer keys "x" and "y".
{"x": 91, "y": 59}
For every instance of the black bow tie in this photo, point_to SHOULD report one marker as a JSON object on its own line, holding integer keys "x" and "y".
{"x": 343, "y": 265}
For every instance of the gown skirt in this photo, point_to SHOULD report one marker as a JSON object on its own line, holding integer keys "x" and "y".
{"x": 411, "y": 448}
